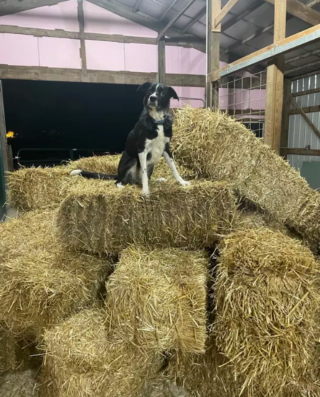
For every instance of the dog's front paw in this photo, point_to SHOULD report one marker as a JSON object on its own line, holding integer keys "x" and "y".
{"x": 161, "y": 180}
{"x": 146, "y": 193}
{"x": 184, "y": 183}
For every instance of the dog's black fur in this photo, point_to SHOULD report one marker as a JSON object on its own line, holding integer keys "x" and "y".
{"x": 147, "y": 142}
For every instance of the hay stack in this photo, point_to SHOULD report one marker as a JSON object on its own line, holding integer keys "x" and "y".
{"x": 215, "y": 146}
{"x": 19, "y": 384}
{"x": 108, "y": 219}
{"x": 42, "y": 281}
{"x": 266, "y": 305}
{"x": 83, "y": 360}
{"x": 45, "y": 188}
{"x": 157, "y": 300}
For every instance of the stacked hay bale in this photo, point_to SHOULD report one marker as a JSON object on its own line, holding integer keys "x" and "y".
{"x": 45, "y": 188}
{"x": 107, "y": 219}
{"x": 216, "y": 147}
{"x": 42, "y": 280}
{"x": 266, "y": 309}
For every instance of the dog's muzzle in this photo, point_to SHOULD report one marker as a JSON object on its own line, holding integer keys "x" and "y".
{"x": 153, "y": 101}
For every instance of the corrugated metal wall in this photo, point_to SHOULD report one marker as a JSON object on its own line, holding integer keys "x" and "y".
{"x": 300, "y": 134}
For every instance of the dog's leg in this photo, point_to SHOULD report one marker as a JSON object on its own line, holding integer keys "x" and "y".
{"x": 168, "y": 157}
{"x": 144, "y": 171}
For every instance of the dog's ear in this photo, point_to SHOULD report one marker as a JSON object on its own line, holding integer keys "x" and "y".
{"x": 144, "y": 87}
{"x": 173, "y": 94}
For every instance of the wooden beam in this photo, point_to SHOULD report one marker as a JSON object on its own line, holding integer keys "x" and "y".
{"x": 308, "y": 109}
{"x": 305, "y": 117}
{"x": 213, "y": 53}
{"x": 162, "y": 62}
{"x": 242, "y": 15}
{"x": 174, "y": 19}
{"x": 301, "y": 152}
{"x": 200, "y": 14}
{"x": 96, "y": 76}
{"x": 285, "y": 115}
{"x": 14, "y": 6}
{"x": 83, "y": 54}
{"x": 63, "y": 34}
{"x": 274, "y": 94}
{"x": 137, "y": 5}
{"x": 224, "y": 12}
{"x": 302, "y": 56}
{"x": 3, "y": 134}
{"x": 284, "y": 46}
{"x": 301, "y": 11}
{"x": 312, "y": 3}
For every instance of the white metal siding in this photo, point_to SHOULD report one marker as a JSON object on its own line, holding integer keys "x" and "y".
{"x": 300, "y": 134}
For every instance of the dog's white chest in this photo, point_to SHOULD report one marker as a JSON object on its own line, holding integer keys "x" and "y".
{"x": 156, "y": 146}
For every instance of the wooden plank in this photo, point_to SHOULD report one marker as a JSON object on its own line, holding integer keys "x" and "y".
{"x": 312, "y": 3}
{"x": 14, "y": 6}
{"x": 213, "y": 53}
{"x": 64, "y": 34}
{"x": 306, "y": 92}
{"x": 174, "y": 19}
{"x": 301, "y": 11}
{"x": 274, "y": 94}
{"x": 222, "y": 13}
{"x": 162, "y": 62}
{"x": 302, "y": 152}
{"x": 3, "y": 134}
{"x": 302, "y": 67}
{"x": 95, "y": 76}
{"x": 285, "y": 114}
{"x": 305, "y": 117}
{"x": 283, "y": 46}
{"x": 83, "y": 54}
{"x": 308, "y": 109}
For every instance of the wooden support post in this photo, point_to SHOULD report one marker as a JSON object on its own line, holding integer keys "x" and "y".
{"x": 285, "y": 116}
{"x": 213, "y": 52}
{"x": 162, "y": 61}
{"x": 275, "y": 71}
{"x": 83, "y": 54}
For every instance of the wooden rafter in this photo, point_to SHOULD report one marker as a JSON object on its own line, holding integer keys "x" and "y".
{"x": 174, "y": 19}
{"x": 301, "y": 11}
{"x": 223, "y": 12}
{"x": 14, "y": 6}
{"x": 301, "y": 67}
{"x": 236, "y": 18}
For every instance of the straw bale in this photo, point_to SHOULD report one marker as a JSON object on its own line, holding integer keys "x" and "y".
{"x": 217, "y": 147}
{"x": 266, "y": 306}
{"x": 108, "y": 219}
{"x": 45, "y": 188}
{"x": 158, "y": 299}
{"x": 84, "y": 359}
{"x": 42, "y": 281}
{"x": 19, "y": 384}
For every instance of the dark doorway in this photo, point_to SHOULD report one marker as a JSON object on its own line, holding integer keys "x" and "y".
{"x": 92, "y": 118}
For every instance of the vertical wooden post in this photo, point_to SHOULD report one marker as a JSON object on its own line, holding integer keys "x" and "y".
{"x": 213, "y": 52}
{"x": 274, "y": 94}
{"x": 3, "y": 132}
{"x": 285, "y": 117}
{"x": 162, "y": 61}
{"x": 83, "y": 54}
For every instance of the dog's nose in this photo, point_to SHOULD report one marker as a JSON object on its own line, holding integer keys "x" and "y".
{"x": 153, "y": 98}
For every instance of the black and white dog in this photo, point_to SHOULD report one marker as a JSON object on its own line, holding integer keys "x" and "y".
{"x": 147, "y": 142}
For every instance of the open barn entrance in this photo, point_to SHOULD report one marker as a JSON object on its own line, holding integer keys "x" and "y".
{"x": 50, "y": 122}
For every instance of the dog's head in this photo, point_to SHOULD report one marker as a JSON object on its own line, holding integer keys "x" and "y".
{"x": 157, "y": 96}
